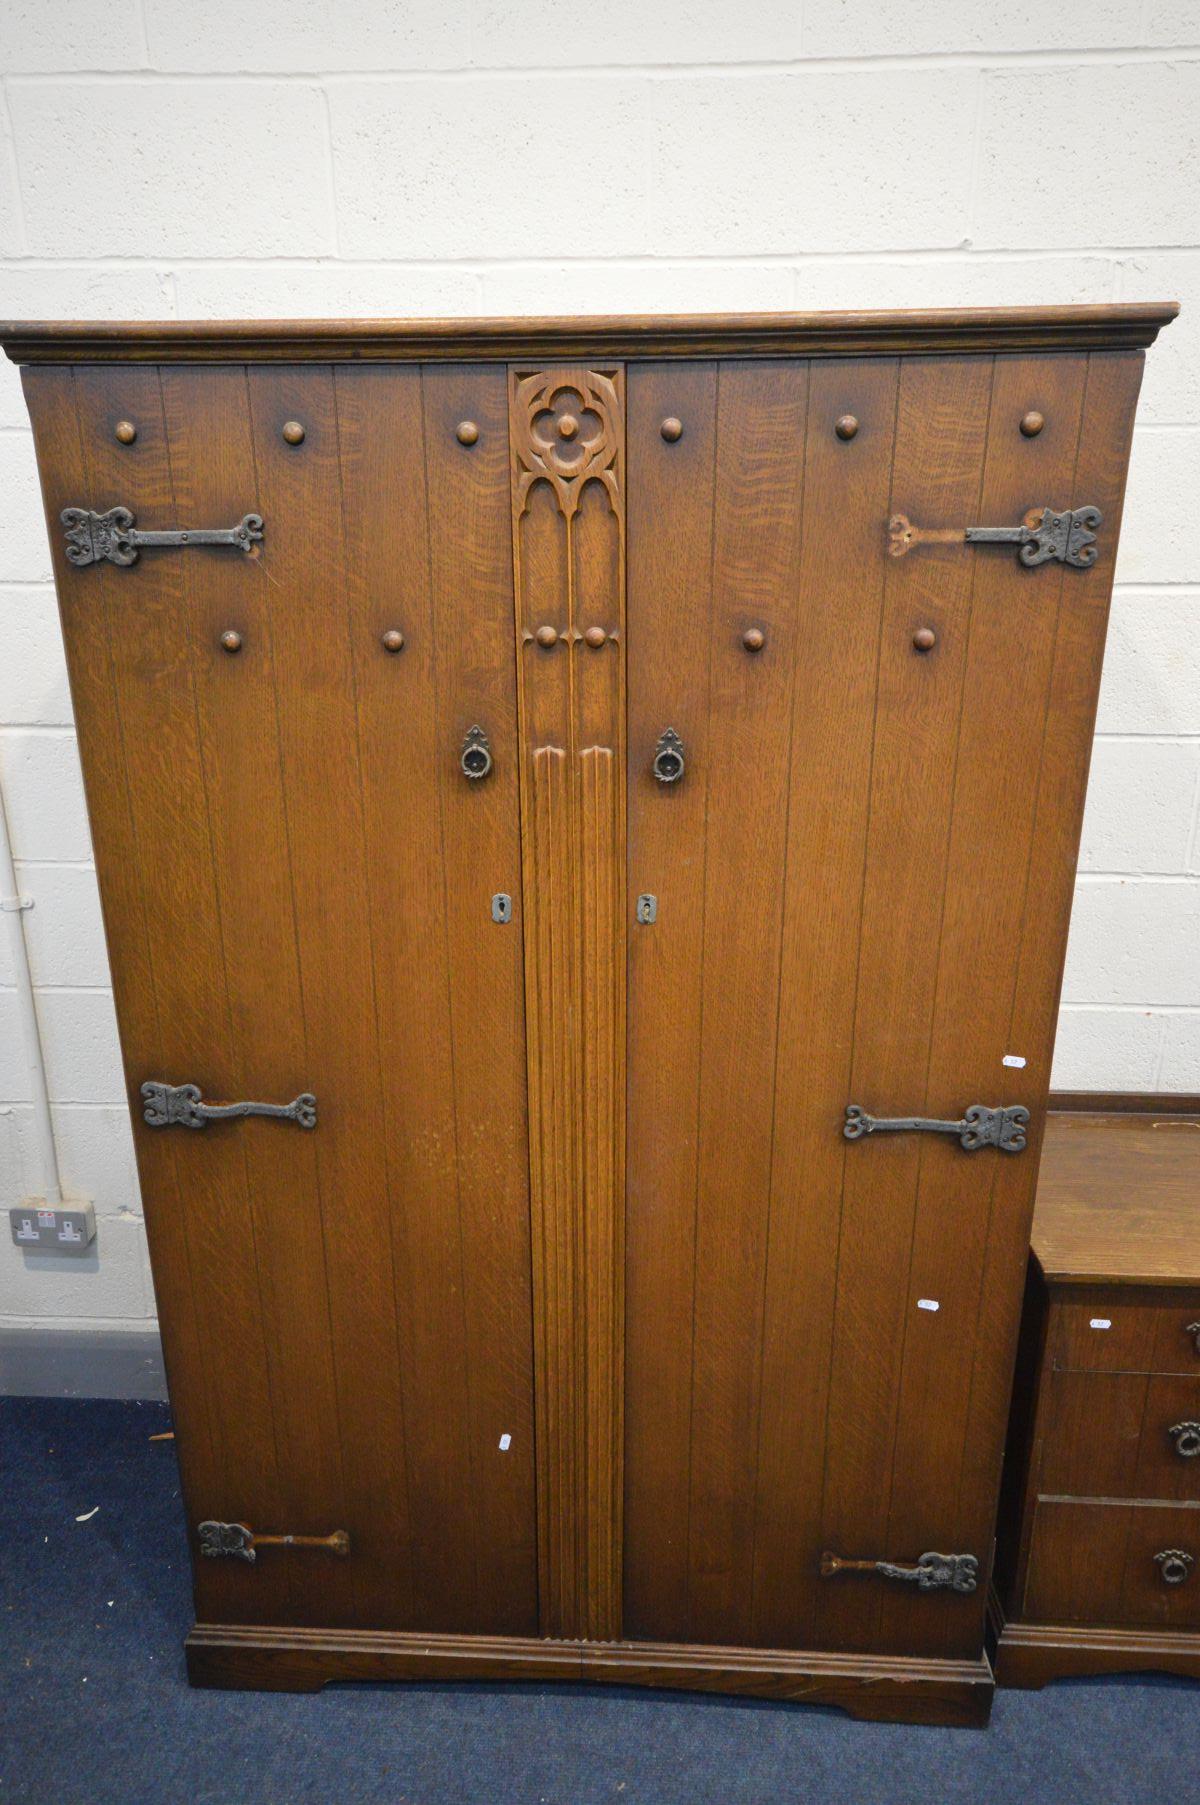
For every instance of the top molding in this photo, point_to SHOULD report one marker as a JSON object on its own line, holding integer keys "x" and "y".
{"x": 940, "y": 330}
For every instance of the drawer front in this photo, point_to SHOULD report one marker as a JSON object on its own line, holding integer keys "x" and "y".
{"x": 1177, "y": 1337}
{"x": 1114, "y": 1563}
{"x": 1091, "y": 1435}
{"x": 1169, "y": 1457}
{"x": 1107, "y": 1334}
{"x": 1109, "y": 1435}
{"x": 1104, "y": 1337}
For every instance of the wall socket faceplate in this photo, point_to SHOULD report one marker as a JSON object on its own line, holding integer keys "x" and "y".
{"x": 68, "y": 1228}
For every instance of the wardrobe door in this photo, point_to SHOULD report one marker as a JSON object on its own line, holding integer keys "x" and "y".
{"x": 862, "y": 880}
{"x": 298, "y": 879}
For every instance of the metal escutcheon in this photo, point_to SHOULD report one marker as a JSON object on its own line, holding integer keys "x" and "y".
{"x": 668, "y": 764}
{"x": 476, "y": 755}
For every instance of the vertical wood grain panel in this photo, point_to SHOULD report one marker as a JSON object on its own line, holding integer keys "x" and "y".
{"x": 164, "y": 775}
{"x": 670, "y": 600}
{"x": 567, "y": 437}
{"x": 322, "y": 776}
{"x": 472, "y": 594}
{"x": 761, "y": 416}
{"x": 65, "y": 481}
{"x": 214, "y": 478}
{"x": 1005, "y": 692}
{"x": 841, "y": 592}
{"x": 381, "y": 439}
{"x": 941, "y": 430}
{"x": 1110, "y": 398}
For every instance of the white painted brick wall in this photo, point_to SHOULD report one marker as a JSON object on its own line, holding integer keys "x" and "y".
{"x": 159, "y": 159}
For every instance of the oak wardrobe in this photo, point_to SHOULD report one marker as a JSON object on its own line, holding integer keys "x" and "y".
{"x": 586, "y": 814}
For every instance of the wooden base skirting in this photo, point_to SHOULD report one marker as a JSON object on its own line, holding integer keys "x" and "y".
{"x": 893, "y": 1689}
{"x": 1028, "y": 1655}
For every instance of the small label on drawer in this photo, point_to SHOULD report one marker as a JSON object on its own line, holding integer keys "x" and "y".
{"x": 1012, "y": 1059}
{"x": 1100, "y": 1322}
{"x": 927, "y": 1303}
{"x": 505, "y": 1443}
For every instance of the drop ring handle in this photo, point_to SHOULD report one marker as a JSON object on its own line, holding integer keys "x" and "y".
{"x": 669, "y": 762}
{"x": 475, "y": 758}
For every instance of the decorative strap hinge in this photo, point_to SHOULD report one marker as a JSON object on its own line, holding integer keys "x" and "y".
{"x": 932, "y": 1573}
{"x": 92, "y": 538}
{"x": 1044, "y": 535}
{"x": 239, "y": 1542}
{"x": 169, "y": 1105}
{"x": 978, "y": 1126}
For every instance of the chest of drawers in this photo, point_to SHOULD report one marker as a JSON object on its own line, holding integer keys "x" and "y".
{"x": 1098, "y": 1565}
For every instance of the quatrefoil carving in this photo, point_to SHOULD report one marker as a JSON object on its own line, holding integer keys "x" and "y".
{"x": 566, "y": 432}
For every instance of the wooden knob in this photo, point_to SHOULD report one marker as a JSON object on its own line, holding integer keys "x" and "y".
{"x": 392, "y": 640}
{"x": 754, "y": 639}
{"x": 595, "y": 636}
{"x": 568, "y": 426}
{"x": 293, "y": 432}
{"x": 924, "y": 639}
{"x": 671, "y": 429}
{"x": 846, "y": 427}
{"x": 231, "y": 641}
{"x": 125, "y": 431}
{"x": 466, "y": 432}
{"x": 547, "y": 636}
{"x": 1032, "y": 423}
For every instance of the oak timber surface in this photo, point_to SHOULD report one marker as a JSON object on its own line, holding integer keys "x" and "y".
{"x": 1118, "y": 1200}
{"x": 953, "y": 329}
{"x": 558, "y": 1400}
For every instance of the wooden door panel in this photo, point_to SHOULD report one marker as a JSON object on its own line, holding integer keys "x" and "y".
{"x": 297, "y": 882}
{"x": 132, "y": 686}
{"x": 1109, "y": 401}
{"x": 941, "y": 425}
{"x": 881, "y": 924}
{"x": 831, "y": 754}
{"x": 1007, "y": 631}
{"x": 670, "y": 560}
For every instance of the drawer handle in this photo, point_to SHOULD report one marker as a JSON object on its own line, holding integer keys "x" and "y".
{"x": 168, "y": 1105}
{"x": 1044, "y": 534}
{"x": 239, "y": 1542}
{"x": 932, "y": 1573}
{"x": 979, "y": 1126}
{"x": 1193, "y": 1329}
{"x": 91, "y": 538}
{"x": 1174, "y": 1564}
{"x": 1186, "y": 1437}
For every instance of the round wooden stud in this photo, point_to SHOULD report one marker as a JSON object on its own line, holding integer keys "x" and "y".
{"x": 547, "y": 636}
{"x": 1032, "y": 423}
{"x": 293, "y": 432}
{"x": 595, "y": 637}
{"x": 924, "y": 639}
{"x": 671, "y": 429}
{"x": 466, "y": 432}
{"x": 568, "y": 426}
{"x": 754, "y": 639}
{"x": 392, "y": 640}
{"x": 125, "y": 431}
{"x": 846, "y": 427}
{"x": 231, "y": 641}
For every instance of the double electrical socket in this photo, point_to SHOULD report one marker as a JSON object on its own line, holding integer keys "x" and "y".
{"x": 68, "y": 1228}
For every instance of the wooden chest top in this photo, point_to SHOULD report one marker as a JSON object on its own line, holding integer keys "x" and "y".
{"x": 1118, "y": 1200}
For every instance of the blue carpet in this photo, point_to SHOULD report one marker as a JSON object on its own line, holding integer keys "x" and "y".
{"x": 94, "y": 1706}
